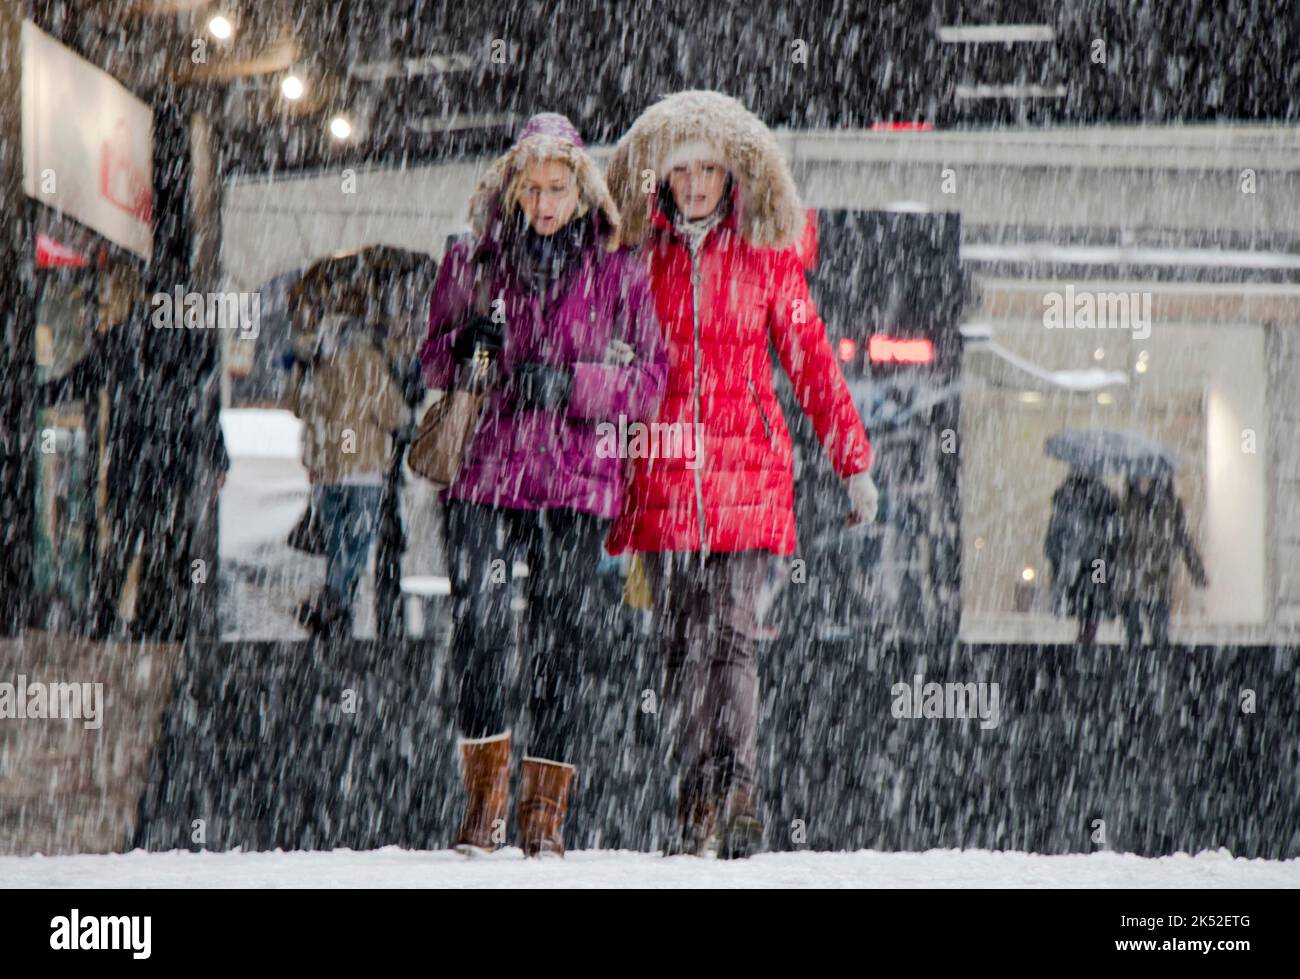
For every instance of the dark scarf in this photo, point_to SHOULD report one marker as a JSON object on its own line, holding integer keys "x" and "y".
{"x": 542, "y": 261}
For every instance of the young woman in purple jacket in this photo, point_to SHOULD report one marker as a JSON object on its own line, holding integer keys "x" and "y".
{"x": 569, "y": 324}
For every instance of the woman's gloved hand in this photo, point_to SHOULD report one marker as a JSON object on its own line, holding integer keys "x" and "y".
{"x": 541, "y": 386}
{"x": 864, "y": 498}
{"x": 478, "y": 332}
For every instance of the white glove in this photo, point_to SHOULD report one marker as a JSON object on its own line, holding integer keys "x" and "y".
{"x": 864, "y": 498}
{"x": 619, "y": 354}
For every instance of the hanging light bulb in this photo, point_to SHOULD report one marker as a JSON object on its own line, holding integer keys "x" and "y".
{"x": 340, "y": 128}
{"x": 220, "y": 27}
{"x": 292, "y": 87}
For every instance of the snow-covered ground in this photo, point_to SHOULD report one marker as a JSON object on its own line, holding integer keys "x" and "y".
{"x": 393, "y": 867}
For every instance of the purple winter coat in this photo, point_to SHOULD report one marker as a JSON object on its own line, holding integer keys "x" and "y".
{"x": 542, "y": 459}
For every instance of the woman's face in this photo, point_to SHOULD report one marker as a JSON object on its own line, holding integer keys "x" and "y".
{"x": 697, "y": 187}
{"x": 548, "y": 195}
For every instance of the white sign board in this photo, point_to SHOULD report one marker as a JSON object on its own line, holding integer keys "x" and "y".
{"x": 87, "y": 143}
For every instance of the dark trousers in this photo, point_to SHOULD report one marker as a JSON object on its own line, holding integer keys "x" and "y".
{"x": 564, "y": 627}
{"x": 1156, "y": 611}
{"x": 708, "y": 624}
{"x": 166, "y": 580}
{"x": 111, "y": 573}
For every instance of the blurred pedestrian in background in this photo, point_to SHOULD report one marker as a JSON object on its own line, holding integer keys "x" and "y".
{"x": 1153, "y": 537}
{"x": 1081, "y": 544}
{"x": 351, "y": 406}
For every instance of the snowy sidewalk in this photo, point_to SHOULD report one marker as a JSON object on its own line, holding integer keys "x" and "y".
{"x": 392, "y": 867}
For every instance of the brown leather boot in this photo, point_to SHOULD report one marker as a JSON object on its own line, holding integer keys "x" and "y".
{"x": 487, "y": 783}
{"x": 543, "y": 801}
{"x": 741, "y": 832}
{"x": 697, "y": 819}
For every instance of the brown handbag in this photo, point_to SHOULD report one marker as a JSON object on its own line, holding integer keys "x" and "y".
{"x": 442, "y": 438}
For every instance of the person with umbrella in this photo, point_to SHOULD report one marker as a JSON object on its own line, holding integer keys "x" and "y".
{"x": 1080, "y": 548}
{"x": 383, "y": 281}
{"x": 1153, "y": 535}
{"x": 351, "y": 407}
{"x": 1150, "y": 524}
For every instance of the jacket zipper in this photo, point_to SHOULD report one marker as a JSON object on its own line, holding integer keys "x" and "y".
{"x": 699, "y": 481}
{"x": 767, "y": 426}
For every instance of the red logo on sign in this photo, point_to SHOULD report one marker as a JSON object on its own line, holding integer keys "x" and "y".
{"x": 122, "y": 181}
{"x": 52, "y": 254}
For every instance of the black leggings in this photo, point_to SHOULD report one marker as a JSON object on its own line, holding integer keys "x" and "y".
{"x": 564, "y": 627}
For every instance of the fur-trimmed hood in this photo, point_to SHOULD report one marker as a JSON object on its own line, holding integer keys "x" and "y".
{"x": 543, "y": 142}
{"x": 769, "y": 213}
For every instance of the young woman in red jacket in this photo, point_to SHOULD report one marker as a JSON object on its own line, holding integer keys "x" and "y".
{"x": 706, "y": 195}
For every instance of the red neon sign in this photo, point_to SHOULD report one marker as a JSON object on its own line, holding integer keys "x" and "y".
{"x": 891, "y": 350}
{"x": 901, "y": 127}
{"x": 847, "y": 348}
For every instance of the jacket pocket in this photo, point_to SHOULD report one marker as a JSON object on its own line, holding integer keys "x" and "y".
{"x": 767, "y": 426}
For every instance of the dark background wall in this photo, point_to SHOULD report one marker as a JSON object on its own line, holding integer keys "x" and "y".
{"x": 1154, "y": 744}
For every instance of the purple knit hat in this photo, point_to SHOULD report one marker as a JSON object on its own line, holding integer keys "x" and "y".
{"x": 551, "y": 124}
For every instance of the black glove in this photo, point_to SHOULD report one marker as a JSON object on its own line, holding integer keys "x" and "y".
{"x": 478, "y": 332}
{"x": 541, "y": 386}
{"x": 409, "y": 380}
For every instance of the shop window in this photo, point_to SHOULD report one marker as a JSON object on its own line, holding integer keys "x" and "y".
{"x": 1193, "y": 387}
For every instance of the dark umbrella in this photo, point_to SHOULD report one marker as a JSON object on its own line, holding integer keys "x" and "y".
{"x": 370, "y": 268}
{"x": 1100, "y": 451}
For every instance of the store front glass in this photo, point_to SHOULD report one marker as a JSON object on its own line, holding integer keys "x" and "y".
{"x": 65, "y": 521}
{"x": 82, "y": 351}
{"x": 1196, "y": 388}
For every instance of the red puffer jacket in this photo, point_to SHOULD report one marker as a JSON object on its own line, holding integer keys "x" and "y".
{"x": 720, "y": 375}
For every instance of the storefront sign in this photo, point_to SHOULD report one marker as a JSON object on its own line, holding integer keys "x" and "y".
{"x": 52, "y": 254}
{"x": 87, "y": 143}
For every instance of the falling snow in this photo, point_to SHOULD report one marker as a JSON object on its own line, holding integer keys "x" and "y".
{"x": 1038, "y": 264}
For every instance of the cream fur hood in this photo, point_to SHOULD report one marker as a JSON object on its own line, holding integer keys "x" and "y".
{"x": 770, "y": 214}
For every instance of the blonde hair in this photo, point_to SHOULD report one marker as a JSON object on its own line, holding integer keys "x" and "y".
{"x": 544, "y": 149}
